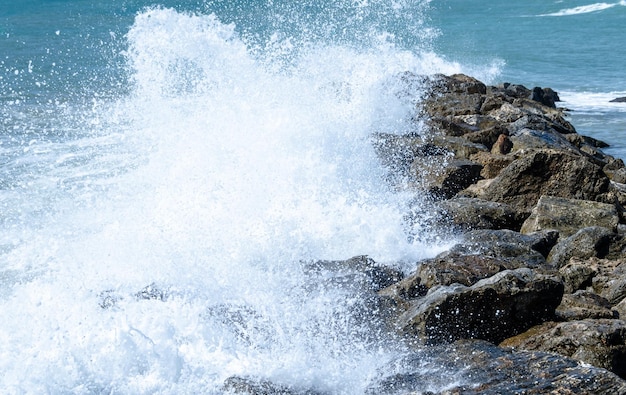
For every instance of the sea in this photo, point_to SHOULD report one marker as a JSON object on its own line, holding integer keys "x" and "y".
{"x": 172, "y": 172}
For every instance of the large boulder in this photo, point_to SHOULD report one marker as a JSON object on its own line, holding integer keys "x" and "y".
{"x": 493, "y": 309}
{"x": 570, "y": 215}
{"x": 593, "y": 241}
{"x": 478, "y": 367}
{"x": 473, "y": 213}
{"x": 546, "y": 172}
{"x": 599, "y": 342}
{"x": 584, "y": 304}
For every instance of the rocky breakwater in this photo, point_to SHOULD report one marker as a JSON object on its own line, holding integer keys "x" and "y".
{"x": 540, "y": 263}
{"x": 532, "y": 297}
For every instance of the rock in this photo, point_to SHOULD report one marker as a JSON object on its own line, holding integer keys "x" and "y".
{"x": 251, "y": 386}
{"x": 526, "y": 139}
{"x": 618, "y": 100}
{"x": 443, "y": 183}
{"x": 492, "y": 163}
{"x": 545, "y": 96}
{"x": 473, "y": 213}
{"x": 611, "y": 280}
{"x": 478, "y": 367}
{"x": 527, "y": 249}
{"x": 151, "y": 292}
{"x": 359, "y": 272}
{"x": 584, "y": 304}
{"x": 593, "y": 241}
{"x": 546, "y": 172}
{"x": 577, "y": 275}
{"x": 493, "y": 309}
{"x": 620, "y": 308}
{"x": 460, "y": 147}
{"x": 569, "y": 215}
{"x": 598, "y": 342}
{"x": 502, "y": 146}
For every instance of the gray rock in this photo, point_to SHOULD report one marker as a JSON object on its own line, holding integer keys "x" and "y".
{"x": 493, "y": 309}
{"x": 570, "y": 215}
{"x": 611, "y": 284}
{"x": 478, "y": 367}
{"x": 577, "y": 274}
{"x": 546, "y": 172}
{"x": 599, "y": 342}
{"x": 618, "y": 100}
{"x": 473, "y": 213}
{"x": 252, "y": 386}
{"x": 582, "y": 305}
{"x": 593, "y": 241}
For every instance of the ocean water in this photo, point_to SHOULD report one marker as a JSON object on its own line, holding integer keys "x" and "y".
{"x": 170, "y": 169}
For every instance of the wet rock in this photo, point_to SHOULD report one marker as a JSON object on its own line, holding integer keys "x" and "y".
{"x": 545, "y": 96}
{"x": 569, "y": 215}
{"x": 546, "y": 172}
{"x": 618, "y": 100}
{"x": 599, "y": 342}
{"x": 251, "y": 386}
{"x": 151, "y": 292}
{"x": 478, "y": 367}
{"x": 593, "y": 241}
{"x": 444, "y": 183}
{"x": 508, "y": 243}
{"x": 584, "y": 304}
{"x": 360, "y": 272}
{"x": 473, "y": 213}
{"x": 493, "y": 309}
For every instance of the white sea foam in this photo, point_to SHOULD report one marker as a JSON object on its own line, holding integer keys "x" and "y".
{"x": 584, "y": 9}
{"x": 163, "y": 251}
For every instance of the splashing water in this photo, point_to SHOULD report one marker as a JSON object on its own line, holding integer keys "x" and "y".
{"x": 163, "y": 246}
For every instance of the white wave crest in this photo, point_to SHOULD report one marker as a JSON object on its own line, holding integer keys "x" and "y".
{"x": 584, "y": 9}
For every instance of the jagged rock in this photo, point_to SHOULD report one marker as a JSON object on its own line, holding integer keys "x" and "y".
{"x": 611, "y": 280}
{"x": 577, "y": 274}
{"x": 250, "y": 386}
{"x": 151, "y": 292}
{"x": 570, "y": 215}
{"x": 599, "y": 342}
{"x": 478, "y": 367}
{"x": 584, "y": 304}
{"x": 492, "y": 163}
{"x": 473, "y": 213}
{"x": 526, "y": 139}
{"x": 493, "y": 309}
{"x": 546, "y": 172}
{"x": 545, "y": 96}
{"x": 620, "y": 308}
{"x": 360, "y": 272}
{"x": 502, "y": 146}
{"x": 510, "y": 244}
{"x": 593, "y": 241}
{"x": 443, "y": 183}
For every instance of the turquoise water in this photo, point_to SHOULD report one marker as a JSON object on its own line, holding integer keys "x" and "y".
{"x": 168, "y": 168}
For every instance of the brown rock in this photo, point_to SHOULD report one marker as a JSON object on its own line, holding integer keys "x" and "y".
{"x": 502, "y": 146}
{"x": 582, "y": 305}
{"x": 546, "y": 172}
{"x": 570, "y": 215}
{"x": 599, "y": 342}
{"x": 492, "y": 309}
